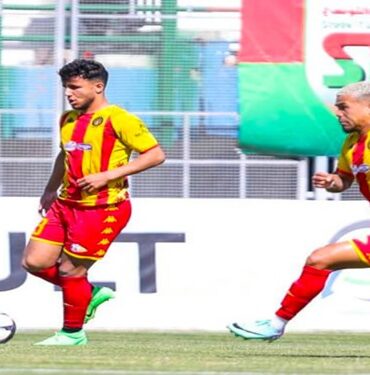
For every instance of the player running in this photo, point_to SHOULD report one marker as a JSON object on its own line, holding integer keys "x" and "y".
{"x": 352, "y": 109}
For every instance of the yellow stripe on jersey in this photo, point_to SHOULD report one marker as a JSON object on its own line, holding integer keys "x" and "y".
{"x": 106, "y": 142}
{"x": 132, "y": 131}
{"x": 366, "y": 158}
{"x": 346, "y": 156}
{"x": 359, "y": 253}
{"x": 93, "y": 136}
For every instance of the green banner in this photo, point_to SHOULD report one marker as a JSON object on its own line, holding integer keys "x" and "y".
{"x": 280, "y": 113}
{"x": 289, "y": 76}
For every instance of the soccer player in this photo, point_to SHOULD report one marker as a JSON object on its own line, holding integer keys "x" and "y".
{"x": 352, "y": 109}
{"x": 86, "y": 204}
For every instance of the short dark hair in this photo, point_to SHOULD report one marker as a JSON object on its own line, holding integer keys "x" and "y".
{"x": 87, "y": 69}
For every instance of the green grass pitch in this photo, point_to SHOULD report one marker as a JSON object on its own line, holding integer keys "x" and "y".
{"x": 186, "y": 353}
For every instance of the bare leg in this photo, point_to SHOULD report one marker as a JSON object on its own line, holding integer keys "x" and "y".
{"x": 335, "y": 257}
{"x": 317, "y": 269}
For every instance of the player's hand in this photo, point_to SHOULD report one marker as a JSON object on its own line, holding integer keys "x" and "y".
{"x": 46, "y": 201}
{"x": 324, "y": 180}
{"x": 94, "y": 182}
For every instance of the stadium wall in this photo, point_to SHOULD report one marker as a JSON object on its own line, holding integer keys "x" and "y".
{"x": 198, "y": 264}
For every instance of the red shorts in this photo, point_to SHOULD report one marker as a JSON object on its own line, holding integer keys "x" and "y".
{"x": 84, "y": 232}
{"x": 362, "y": 249}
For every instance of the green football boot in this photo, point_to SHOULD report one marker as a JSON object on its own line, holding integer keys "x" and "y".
{"x": 99, "y": 296}
{"x": 65, "y": 338}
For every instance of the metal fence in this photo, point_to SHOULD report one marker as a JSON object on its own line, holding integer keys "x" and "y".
{"x": 173, "y": 65}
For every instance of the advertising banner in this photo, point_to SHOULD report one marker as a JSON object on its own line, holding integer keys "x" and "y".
{"x": 198, "y": 264}
{"x": 294, "y": 57}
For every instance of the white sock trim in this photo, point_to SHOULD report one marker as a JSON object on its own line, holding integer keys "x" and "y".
{"x": 278, "y": 323}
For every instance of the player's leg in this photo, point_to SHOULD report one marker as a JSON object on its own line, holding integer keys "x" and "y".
{"x": 41, "y": 254}
{"x": 77, "y": 292}
{"x": 72, "y": 274}
{"x": 316, "y": 271}
{"x": 112, "y": 221}
{"x": 90, "y": 234}
{"x": 310, "y": 283}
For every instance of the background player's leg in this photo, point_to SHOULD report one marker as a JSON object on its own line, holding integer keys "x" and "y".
{"x": 316, "y": 271}
{"x": 310, "y": 283}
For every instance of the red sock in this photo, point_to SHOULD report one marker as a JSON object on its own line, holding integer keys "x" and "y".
{"x": 50, "y": 274}
{"x": 77, "y": 294}
{"x": 302, "y": 291}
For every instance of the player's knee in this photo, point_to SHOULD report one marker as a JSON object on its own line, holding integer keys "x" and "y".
{"x": 33, "y": 264}
{"x": 318, "y": 259}
{"x": 29, "y": 264}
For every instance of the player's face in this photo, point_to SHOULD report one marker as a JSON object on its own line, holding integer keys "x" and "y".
{"x": 353, "y": 114}
{"x": 81, "y": 93}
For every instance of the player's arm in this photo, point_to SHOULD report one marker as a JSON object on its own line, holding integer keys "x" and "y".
{"x": 51, "y": 188}
{"x": 332, "y": 182}
{"x": 148, "y": 159}
{"x": 144, "y": 161}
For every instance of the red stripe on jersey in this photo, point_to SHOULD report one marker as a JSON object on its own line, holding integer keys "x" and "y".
{"x": 109, "y": 139}
{"x": 75, "y": 162}
{"x": 357, "y": 160}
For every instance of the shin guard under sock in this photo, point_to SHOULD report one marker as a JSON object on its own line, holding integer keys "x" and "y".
{"x": 302, "y": 291}
{"x": 50, "y": 274}
{"x": 76, "y": 298}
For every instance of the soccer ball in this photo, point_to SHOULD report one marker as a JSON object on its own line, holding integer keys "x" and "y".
{"x": 7, "y": 328}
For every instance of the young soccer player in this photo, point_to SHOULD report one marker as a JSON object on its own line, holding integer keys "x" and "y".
{"x": 352, "y": 109}
{"x": 86, "y": 202}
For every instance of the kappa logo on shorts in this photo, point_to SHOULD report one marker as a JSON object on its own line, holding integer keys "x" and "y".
{"x": 104, "y": 241}
{"x": 76, "y": 248}
{"x": 110, "y": 219}
{"x": 100, "y": 253}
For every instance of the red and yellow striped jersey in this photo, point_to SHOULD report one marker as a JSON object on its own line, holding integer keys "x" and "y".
{"x": 354, "y": 161}
{"x": 97, "y": 142}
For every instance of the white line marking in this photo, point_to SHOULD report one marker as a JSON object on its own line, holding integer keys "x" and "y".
{"x": 40, "y": 371}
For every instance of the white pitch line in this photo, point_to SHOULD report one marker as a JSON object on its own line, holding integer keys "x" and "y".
{"x": 40, "y": 371}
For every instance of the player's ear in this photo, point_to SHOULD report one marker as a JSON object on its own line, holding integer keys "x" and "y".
{"x": 99, "y": 87}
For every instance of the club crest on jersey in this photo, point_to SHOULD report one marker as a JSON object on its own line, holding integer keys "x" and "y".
{"x": 362, "y": 168}
{"x": 72, "y": 146}
{"x": 98, "y": 121}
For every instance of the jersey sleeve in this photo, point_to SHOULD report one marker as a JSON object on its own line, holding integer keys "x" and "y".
{"x": 132, "y": 131}
{"x": 344, "y": 166}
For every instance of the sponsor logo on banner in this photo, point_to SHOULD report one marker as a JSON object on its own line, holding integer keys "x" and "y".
{"x": 337, "y": 45}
